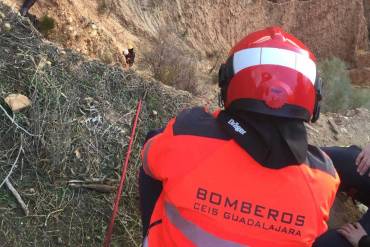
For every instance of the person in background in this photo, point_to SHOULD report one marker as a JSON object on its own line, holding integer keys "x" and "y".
{"x": 129, "y": 54}
{"x": 27, "y": 4}
{"x": 353, "y": 167}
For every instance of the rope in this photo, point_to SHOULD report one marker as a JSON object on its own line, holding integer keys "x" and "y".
{"x": 108, "y": 234}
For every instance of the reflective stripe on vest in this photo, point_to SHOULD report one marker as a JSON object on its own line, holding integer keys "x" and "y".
{"x": 194, "y": 233}
{"x": 146, "y": 242}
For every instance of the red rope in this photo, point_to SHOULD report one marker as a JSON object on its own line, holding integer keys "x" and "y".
{"x": 108, "y": 234}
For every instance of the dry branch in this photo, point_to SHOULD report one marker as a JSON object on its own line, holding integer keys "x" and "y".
{"x": 17, "y": 196}
{"x": 15, "y": 123}
{"x": 13, "y": 166}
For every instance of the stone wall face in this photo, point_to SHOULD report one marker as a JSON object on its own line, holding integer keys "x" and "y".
{"x": 328, "y": 27}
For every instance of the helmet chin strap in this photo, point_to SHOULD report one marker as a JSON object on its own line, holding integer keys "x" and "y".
{"x": 317, "y": 107}
{"x": 220, "y": 100}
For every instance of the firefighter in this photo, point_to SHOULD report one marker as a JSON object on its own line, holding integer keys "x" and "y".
{"x": 27, "y": 4}
{"x": 244, "y": 175}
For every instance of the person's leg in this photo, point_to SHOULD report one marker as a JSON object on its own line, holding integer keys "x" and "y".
{"x": 149, "y": 190}
{"x": 344, "y": 160}
{"x": 365, "y": 222}
{"x": 332, "y": 238}
{"x": 27, "y": 4}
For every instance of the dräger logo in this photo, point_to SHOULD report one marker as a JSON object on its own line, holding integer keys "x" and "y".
{"x": 237, "y": 127}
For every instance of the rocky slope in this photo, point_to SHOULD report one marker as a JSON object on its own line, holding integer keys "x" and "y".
{"x": 208, "y": 28}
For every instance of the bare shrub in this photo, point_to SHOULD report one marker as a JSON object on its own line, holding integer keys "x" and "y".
{"x": 104, "y": 7}
{"x": 106, "y": 55}
{"x": 337, "y": 85}
{"x": 339, "y": 95}
{"x": 171, "y": 64}
{"x": 46, "y": 24}
{"x": 361, "y": 98}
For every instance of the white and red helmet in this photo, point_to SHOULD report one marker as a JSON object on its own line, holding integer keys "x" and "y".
{"x": 271, "y": 72}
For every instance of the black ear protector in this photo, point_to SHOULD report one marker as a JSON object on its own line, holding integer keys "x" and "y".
{"x": 225, "y": 73}
{"x": 221, "y": 82}
{"x": 318, "y": 98}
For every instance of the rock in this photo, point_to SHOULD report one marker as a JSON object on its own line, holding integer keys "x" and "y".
{"x": 333, "y": 126}
{"x": 89, "y": 100}
{"x": 60, "y": 241}
{"x": 2, "y": 15}
{"x": 78, "y": 153}
{"x": 75, "y": 34}
{"x": 338, "y": 120}
{"x": 7, "y": 26}
{"x": 350, "y": 113}
{"x": 155, "y": 113}
{"x": 362, "y": 58}
{"x": 69, "y": 20}
{"x": 363, "y": 209}
{"x": 360, "y": 76}
{"x": 310, "y": 127}
{"x": 336, "y": 137}
{"x": 83, "y": 20}
{"x": 18, "y": 102}
{"x": 94, "y": 27}
{"x": 94, "y": 33}
{"x": 344, "y": 130}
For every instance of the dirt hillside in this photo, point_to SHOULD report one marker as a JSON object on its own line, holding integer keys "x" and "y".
{"x": 208, "y": 28}
{"x": 103, "y": 28}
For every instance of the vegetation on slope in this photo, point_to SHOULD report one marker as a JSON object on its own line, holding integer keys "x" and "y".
{"x": 338, "y": 93}
{"x": 77, "y": 128}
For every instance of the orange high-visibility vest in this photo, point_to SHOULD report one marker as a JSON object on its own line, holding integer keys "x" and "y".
{"x": 215, "y": 194}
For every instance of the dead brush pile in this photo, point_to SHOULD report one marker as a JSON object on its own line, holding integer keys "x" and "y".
{"x": 77, "y": 129}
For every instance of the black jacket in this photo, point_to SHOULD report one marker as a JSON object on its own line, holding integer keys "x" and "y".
{"x": 364, "y": 242}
